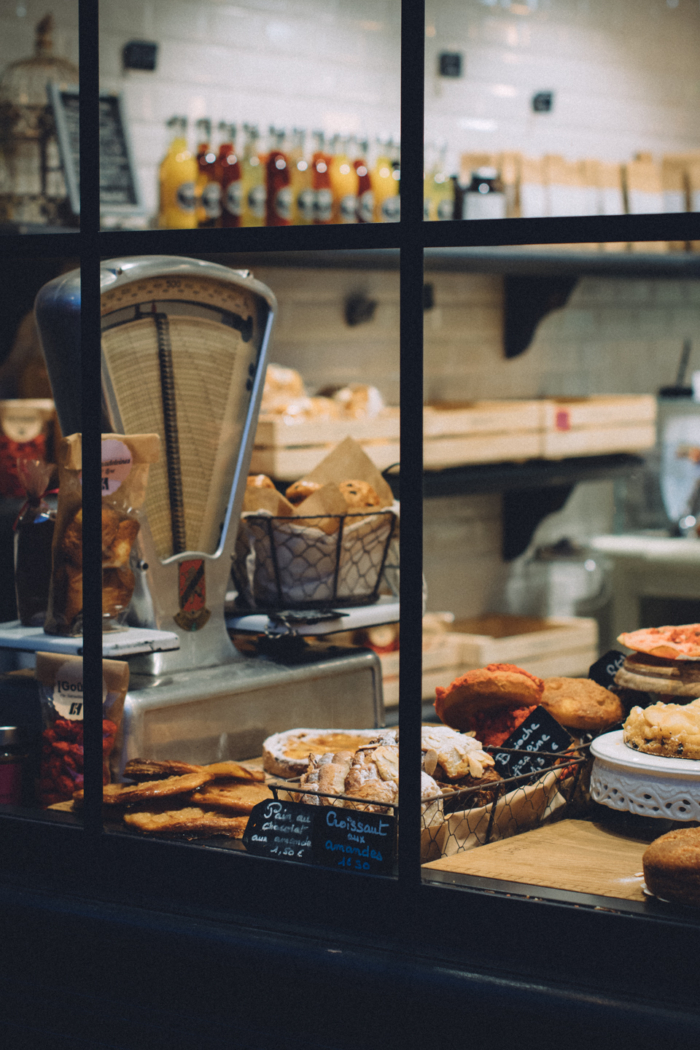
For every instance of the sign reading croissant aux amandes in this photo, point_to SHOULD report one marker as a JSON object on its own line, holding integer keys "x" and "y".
{"x": 327, "y": 835}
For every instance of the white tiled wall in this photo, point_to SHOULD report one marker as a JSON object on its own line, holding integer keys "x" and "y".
{"x": 625, "y": 74}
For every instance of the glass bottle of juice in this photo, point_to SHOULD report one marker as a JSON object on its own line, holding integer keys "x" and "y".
{"x": 365, "y": 197}
{"x": 229, "y": 177}
{"x": 443, "y": 188}
{"x": 384, "y": 186}
{"x": 177, "y": 178}
{"x": 302, "y": 190}
{"x": 253, "y": 187}
{"x": 321, "y": 182}
{"x": 208, "y": 191}
{"x": 344, "y": 182}
{"x": 279, "y": 178}
{"x": 438, "y": 193}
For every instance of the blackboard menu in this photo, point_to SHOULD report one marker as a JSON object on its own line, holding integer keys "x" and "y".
{"x": 538, "y": 733}
{"x": 352, "y": 840}
{"x": 119, "y": 190}
{"x": 117, "y": 180}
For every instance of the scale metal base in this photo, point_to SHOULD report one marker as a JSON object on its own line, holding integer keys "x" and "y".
{"x": 217, "y": 713}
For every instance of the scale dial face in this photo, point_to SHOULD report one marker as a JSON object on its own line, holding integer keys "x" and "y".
{"x": 145, "y": 295}
{"x": 211, "y": 331}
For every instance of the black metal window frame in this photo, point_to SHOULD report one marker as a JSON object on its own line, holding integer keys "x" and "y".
{"x": 484, "y": 923}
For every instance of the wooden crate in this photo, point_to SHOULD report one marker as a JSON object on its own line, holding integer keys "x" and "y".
{"x": 548, "y": 644}
{"x": 289, "y": 450}
{"x": 481, "y": 432}
{"x": 598, "y": 425}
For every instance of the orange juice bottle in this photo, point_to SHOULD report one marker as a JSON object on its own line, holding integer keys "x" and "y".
{"x": 321, "y": 182}
{"x": 229, "y": 177}
{"x": 207, "y": 189}
{"x": 365, "y": 197}
{"x": 384, "y": 186}
{"x": 344, "y": 182}
{"x": 302, "y": 189}
{"x": 253, "y": 183}
{"x": 177, "y": 178}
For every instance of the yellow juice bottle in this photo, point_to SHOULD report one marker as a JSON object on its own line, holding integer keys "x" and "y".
{"x": 344, "y": 183}
{"x": 177, "y": 179}
{"x": 438, "y": 195}
{"x": 253, "y": 180}
{"x": 385, "y": 188}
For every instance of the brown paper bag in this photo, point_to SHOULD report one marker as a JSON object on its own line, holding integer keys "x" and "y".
{"x": 125, "y": 465}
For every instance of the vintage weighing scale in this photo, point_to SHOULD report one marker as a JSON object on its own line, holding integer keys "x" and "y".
{"x": 184, "y": 346}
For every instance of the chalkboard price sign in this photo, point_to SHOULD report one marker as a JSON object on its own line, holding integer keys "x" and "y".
{"x": 327, "y": 835}
{"x": 539, "y": 732}
{"x": 603, "y": 671}
{"x": 280, "y": 829}
{"x": 354, "y": 840}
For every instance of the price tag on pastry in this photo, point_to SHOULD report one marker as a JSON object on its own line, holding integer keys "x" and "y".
{"x": 354, "y": 840}
{"x": 538, "y": 733}
{"x": 116, "y": 465}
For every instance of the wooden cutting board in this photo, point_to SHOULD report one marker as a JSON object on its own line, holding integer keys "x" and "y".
{"x": 569, "y": 855}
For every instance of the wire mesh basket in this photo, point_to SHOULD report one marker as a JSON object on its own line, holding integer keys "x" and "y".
{"x": 462, "y": 819}
{"x": 312, "y": 562}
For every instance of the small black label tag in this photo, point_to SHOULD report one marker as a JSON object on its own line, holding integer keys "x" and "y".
{"x": 354, "y": 840}
{"x": 539, "y": 732}
{"x": 603, "y": 671}
{"x": 280, "y": 829}
{"x": 325, "y": 835}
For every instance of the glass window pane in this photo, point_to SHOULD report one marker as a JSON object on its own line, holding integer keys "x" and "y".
{"x": 253, "y": 671}
{"x": 560, "y": 512}
{"x": 560, "y": 108}
{"x": 38, "y": 96}
{"x": 242, "y": 116}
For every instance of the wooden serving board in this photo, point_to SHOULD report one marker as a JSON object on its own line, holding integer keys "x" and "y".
{"x": 568, "y": 855}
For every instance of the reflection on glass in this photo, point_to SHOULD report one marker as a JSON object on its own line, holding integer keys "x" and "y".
{"x": 574, "y": 108}
{"x": 33, "y": 192}
{"x": 285, "y": 84}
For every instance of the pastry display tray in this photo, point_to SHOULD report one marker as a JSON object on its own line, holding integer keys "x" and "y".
{"x": 648, "y": 785}
{"x": 129, "y": 642}
{"x": 352, "y": 618}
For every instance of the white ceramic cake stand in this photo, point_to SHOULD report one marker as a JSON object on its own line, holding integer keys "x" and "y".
{"x": 648, "y": 785}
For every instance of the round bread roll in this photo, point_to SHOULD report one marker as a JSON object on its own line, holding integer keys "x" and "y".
{"x": 672, "y": 866}
{"x": 359, "y": 495}
{"x": 301, "y": 490}
{"x": 581, "y": 704}
{"x": 491, "y": 701}
{"x": 259, "y": 481}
